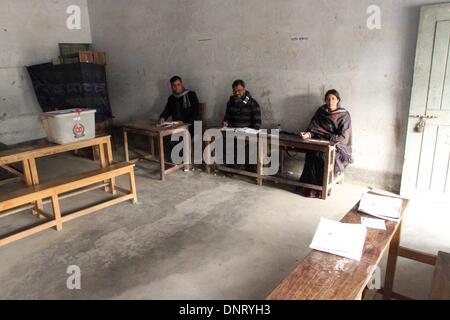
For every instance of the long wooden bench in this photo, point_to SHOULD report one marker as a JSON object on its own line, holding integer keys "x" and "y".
{"x": 55, "y": 190}
{"x": 323, "y": 276}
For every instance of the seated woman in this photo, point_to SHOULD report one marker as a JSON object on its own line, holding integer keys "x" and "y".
{"x": 331, "y": 122}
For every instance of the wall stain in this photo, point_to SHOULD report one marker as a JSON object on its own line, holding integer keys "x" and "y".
{"x": 266, "y": 93}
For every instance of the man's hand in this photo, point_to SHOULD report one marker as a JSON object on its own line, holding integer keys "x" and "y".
{"x": 162, "y": 120}
{"x": 225, "y": 124}
{"x": 305, "y": 135}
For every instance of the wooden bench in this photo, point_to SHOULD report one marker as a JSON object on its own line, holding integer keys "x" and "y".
{"x": 54, "y": 191}
{"x": 323, "y": 276}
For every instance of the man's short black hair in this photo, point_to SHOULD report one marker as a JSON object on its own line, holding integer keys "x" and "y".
{"x": 175, "y": 78}
{"x": 237, "y": 83}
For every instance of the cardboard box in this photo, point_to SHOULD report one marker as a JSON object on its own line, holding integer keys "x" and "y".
{"x": 86, "y": 56}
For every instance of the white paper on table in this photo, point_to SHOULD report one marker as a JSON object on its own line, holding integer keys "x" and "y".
{"x": 373, "y": 223}
{"x": 318, "y": 141}
{"x": 342, "y": 239}
{"x": 168, "y": 124}
{"x": 247, "y": 131}
{"x": 381, "y": 206}
{"x": 228, "y": 129}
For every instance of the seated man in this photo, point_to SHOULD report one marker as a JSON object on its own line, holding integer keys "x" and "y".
{"x": 242, "y": 112}
{"x": 182, "y": 105}
{"x": 333, "y": 123}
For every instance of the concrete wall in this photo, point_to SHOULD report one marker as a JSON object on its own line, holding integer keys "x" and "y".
{"x": 212, "y": 42}
{"x": 30, "y": 31}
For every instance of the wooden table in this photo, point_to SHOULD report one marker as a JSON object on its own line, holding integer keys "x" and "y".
{"x": 295, "y": 142}
{"x": 323, "y": 276}
{"x": 28, "y": 155}
{"x": 286, "y": 142}
{"x": 154, "y": 131}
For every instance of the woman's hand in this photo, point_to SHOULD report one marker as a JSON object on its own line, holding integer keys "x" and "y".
{"x": 305, "y": 135}
{"x": 162, "y": 120}
{"x": 225, "y": 124}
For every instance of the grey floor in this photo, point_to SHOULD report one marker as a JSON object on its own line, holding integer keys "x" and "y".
{"x": 194, "y": 236}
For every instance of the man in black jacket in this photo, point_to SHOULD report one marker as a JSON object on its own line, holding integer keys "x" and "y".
{"x": 242, "y": 110}
{"x": 182, "y": 105}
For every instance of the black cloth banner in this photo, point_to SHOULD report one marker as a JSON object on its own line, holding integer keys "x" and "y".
{"x": 67, "y": 86}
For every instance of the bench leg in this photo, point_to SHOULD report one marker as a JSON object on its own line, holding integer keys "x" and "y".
{"x": 125, "y": 146}
{"x": 109, "y": 156}
{"x": 132, "y": 179}
{"x": 57, "y": 212}
{"x": 103, "y": 162}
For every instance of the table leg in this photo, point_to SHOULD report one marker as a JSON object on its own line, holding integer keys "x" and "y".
{"x": 187, "y": 150}
{"x": 152, "y": 146}
{"x": 57, "y": 212}
{"x": 161, "y": 157}
{"x": 392, "y": 264}
{"x": 326, "y": 174}
{"x": 27, "y": 173}
{"x": 207, "y": 156}
{"x": 35, "y": 182}
{"x": 125, "y": 146}
{"x": 260, "y": 162}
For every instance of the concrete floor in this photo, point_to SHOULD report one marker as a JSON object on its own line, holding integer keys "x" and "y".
{"x": 195, "y": 236}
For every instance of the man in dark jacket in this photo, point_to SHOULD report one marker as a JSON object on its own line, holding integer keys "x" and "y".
{"x": 242, "y": 110}
{"x": 182, "y": 105}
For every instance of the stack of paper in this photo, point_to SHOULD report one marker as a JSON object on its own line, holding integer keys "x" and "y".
{"x": 384, "y": 207}
{"x": 342, "y": 239}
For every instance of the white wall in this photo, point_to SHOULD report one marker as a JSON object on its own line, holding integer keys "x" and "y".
{"x": 212, "y": 42}
{"x": 30, "y": 31}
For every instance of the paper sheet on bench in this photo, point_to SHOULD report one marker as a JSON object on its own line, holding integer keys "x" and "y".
{"x": 384, "y": 207}
{"x": 342, "y": 239}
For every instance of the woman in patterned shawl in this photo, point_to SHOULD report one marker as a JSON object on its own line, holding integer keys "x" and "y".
{"x": 331, "y": 122}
